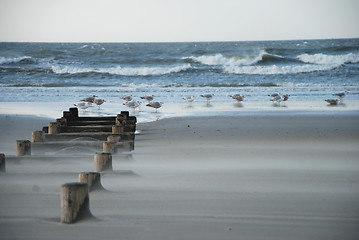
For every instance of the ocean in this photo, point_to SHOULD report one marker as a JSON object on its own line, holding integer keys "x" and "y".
{"x": 307, "y": 70}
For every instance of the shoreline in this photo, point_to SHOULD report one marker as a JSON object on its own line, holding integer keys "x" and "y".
{"x": 170, "y": 110}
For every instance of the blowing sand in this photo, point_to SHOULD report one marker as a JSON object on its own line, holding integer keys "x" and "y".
{"x": 270, "y": 176}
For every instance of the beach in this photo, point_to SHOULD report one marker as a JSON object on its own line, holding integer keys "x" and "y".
{"x": 276, "y": 173}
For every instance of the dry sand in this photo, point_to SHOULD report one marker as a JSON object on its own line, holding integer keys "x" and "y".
{"x": 269, "y": 176}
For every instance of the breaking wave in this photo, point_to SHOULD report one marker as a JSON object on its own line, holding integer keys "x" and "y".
{"x": 219, "y": 59}
{"x": 126, "y": 71}
{"x": 324, "y": 59}
{"x": 5, "y": 60}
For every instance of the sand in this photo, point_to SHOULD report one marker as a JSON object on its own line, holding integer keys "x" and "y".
{"x": 283, "y": 175}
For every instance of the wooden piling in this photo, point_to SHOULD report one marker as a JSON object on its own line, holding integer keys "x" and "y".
{"x": 103, "y": 161}
{"x": 23, "y": 147}
{"x": 93, "y": 179}
{"x": 125, "y": 113}
{"x": 117, "y": 129}
{"x": 74, "y": 202}
{"x": 114, "y": 138}
{"x": 2, "y": 162}
{"x": 38, "y": 136}
{"x": 110, "y": 147}
{"x": 54, "y": 128}
{"x": 74, "y": 112}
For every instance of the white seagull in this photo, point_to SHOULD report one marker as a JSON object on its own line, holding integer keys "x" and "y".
{"x": 155, "y": 105}
{"x": 341, "y": 95}
{"x": 189, "y": 98}
{"x": 208, "y": 97}
{"x": 132, "y": 104}
{"x": 82, "y": 105}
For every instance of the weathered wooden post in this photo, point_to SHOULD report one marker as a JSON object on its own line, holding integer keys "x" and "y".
{"x": 125, "y": 113}
{"x": 67, "y": 115}
{"x": 114, "y": 138}
{"x": 74, "y": 112}
{"x": 54, "y": 128}
{"x": 23, "y": 147}
{"x": 103, "y": 161}
{"x": 110, "y": 147}
{"x": 117, "y": 129}
{"x": 93, "y": 179}
{"x": 74, "y": 202}
{"x": 38, "y": 136}
{"x": 2, "y": 162}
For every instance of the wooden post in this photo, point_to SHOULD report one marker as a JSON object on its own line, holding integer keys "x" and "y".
{"x": 110, "y": 147}
{"x": 67, "y": 115}
{"x": 74, "y": 202}
{"x": 103, "y": 161}
{"x": 38, "y": 136}
{"x": 121, "y": 118}
{"x": 125, "y": 113}
{"x": 54, "y": 128}
{"x": 23, "y": 147}
{"x": 2, "y": 162}
{"x": 114, "y": 138}
{"x": 117, "y": 129}
{"x": 93, "y": 179}
{"x": 74, "y": 112}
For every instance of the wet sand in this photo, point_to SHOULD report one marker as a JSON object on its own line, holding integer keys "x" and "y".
{"x": 250, "y": 176}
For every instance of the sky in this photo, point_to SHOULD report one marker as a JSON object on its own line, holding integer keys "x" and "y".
{"x": 176, "y": 20}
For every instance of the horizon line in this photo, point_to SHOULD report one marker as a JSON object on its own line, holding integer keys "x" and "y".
{"x": 200, "y": 41}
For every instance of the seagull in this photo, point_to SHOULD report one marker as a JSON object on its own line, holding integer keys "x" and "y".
{"x": 189, "y": 98}
{"x": 127, "y": 98}
{"x": 132, "y": 104}
{"x": 98, "y": 102}
{"x": 148, "y": 98}
{"x": 208, "y": 97}
{"x": 341, "y": 95}
{"x": 275, "y": 98}
{"x": 238, "y": 97}
{"x": 89, "y": 99}
{"x": 332, "y": 101}
{"x": 155, "y": 105}
{"x": 82, "y": 105}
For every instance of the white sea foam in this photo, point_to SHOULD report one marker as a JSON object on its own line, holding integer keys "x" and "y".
{"x": 6, "y": 60}
{"x": 126, "y": 71}
{"x": 268, "y": 70}
{"x": 219, "y": 59}
{"x": 324, "y": 59}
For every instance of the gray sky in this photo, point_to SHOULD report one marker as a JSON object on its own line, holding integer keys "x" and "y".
{"x": 176, "y": 20}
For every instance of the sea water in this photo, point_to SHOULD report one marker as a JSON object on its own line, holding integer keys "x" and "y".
{"x": 307, "y": 70}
